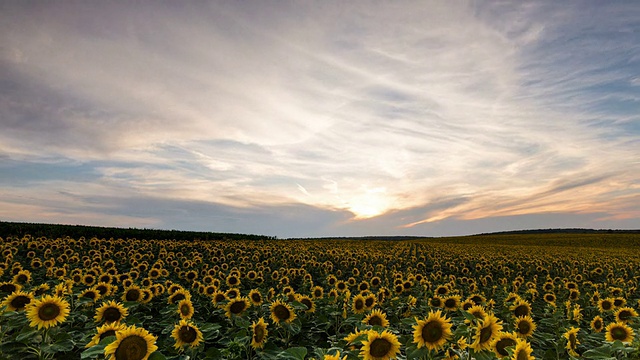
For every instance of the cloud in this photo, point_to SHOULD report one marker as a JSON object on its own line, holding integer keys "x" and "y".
{"x": 333, "y": 107}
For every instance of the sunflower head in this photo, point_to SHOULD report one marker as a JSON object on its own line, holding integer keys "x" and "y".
{"x": 379, "y": 346}
{"x": 619, "y": 331}
{"x": 282, "y": 312}
{"x": 572, "y": 340}
{"x": 47, "y": 312}
{"x": 106, "y": 330}
{"x": 501, "y": 342}
{"x": 259, "y": 334}
{"x": 111, "y": 312}
{"x": 522, "y": 351}
{"x": 376, "y": 318}
{"x": 131, "y": 343}
{"x": 433, "y": 332}
{"x": 597, "y": 324}
{"x": 625, "y": 314}
{"x": 524, "y": 326}
{"x": 486, "y": 331}
{"x": 186, "y": 333}
{"x": 18, "y": 300}
{"x": 185, "y": 309}
{"x": 237, "y": 306}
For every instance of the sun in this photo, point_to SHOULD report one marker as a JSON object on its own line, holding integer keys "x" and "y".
{"x": 369, "y": 203}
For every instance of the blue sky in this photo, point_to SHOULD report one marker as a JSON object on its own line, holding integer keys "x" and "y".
{"x": 328, "y": 118}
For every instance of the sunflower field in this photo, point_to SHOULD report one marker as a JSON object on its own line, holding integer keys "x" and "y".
{"x": 542, "y": 296}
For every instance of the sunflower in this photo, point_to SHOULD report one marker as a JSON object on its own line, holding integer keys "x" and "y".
{"x": 525, "y": 326}
{"x": 380, "y": 346}
{"x": 451, "y": 303}
{"x": 178, "y": 295}
{"x": 522, "y": 351}
{"x": 256, "y": 297}
{"x": 22, "y": 277}
{"x": 436, "y": 302}
{"x": 433, "y": 332}
{"x": 358, "y": 305}
{"x": 131, "y": 343}
{"x": 376, "y": 318}
{"x": 487, "y": 329}
{"x": 307, "y": 301}
{"x": 478, "y": 313}
{"x": 619, "y": 331}
{"x": 9, "y": 287}
{"x": 236, "y": 306}
{"x": 605, "y": 305}
{"x": 370, "y": 301}
{"x": 501, "y": 342}
{"x": 259, "y": 334}
{"x": 317, "y": 292}
{"x": 47, "y": 312}
{"x": 624, "y": 314}
{"x": 572, "y": 340}
{"x": 550, "y": 298}
{"x": 111, "y": 312}
{"x": 185, "y": 309}
{"x": 521, "y": 308}
{"x": 186, "y": 333}
{"x": 597, "y": 324}
{"x": 217, "y": 297}
{"x": 106, "y": 330}
{"x": 281, "y": 312}
{"x": 132, "y": 293}
{"x": 91, "y": 294}
{"x": 17, "y": 300}
{"x": 334, "y": 357}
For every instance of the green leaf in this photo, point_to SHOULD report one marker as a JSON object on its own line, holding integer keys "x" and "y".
{"x": 213, "y": 354}
{"x": 93, "y": 351}
{"x": 26, "y": 334}
{"x": 418, "y": 353}
{"x": 295, "y": 353}
{"x": 157, "y": 355}
{"x": 599, "y": 353}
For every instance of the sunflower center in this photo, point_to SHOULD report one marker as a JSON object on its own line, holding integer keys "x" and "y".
{"x": 450, "y": 303}
{"x": 307, "y": 303}
{"x": 8, "y": 288}
{"x": 132, "y": 348}
{"x": 618, "y": 302}
{"x": 20, "y": 301}
{"x": 187, "y": 334}
{"x": 184, "y": 309}
{"x": 48, "y": 311}
{"x": 90, "y": 295}
{"x": 379, "y": 347}
{"x": 597, "y": 324}
{"x": 572, "y": 341}
{"x": 111, "y": 314}
{"x": 485, "y": 334}
{"x": 133, "y": 295}
{"x": 237, "y": 307}
{"x": 22, "y": 278}
{"x": 258, "y": 334}
{"x": 256, "y": 297}
{"x": 369, "y": 302}
{"x": 359, "y": 304}
{"x": 523, "y": 327}
{"x": 375, "y": 320}
{"x": 521, "y": 310}
{"x": 503, "y": 344}
{"x": 432, "y": 332}
{"x": 282, "y": 312}
{"x": 522, "y": 355}
{"x": 618, "y": 333}
{"x": 624, "y": 315}
{"x": 107, "y": 334}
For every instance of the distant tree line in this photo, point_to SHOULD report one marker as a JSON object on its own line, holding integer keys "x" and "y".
{"x": 76, "y": 231}
{"x": 564, "y": 231}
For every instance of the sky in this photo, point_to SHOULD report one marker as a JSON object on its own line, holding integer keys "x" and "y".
{"x": 321, "y": 118}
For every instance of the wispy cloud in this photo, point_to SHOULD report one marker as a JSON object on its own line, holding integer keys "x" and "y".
{"x": 375, "y": 110}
